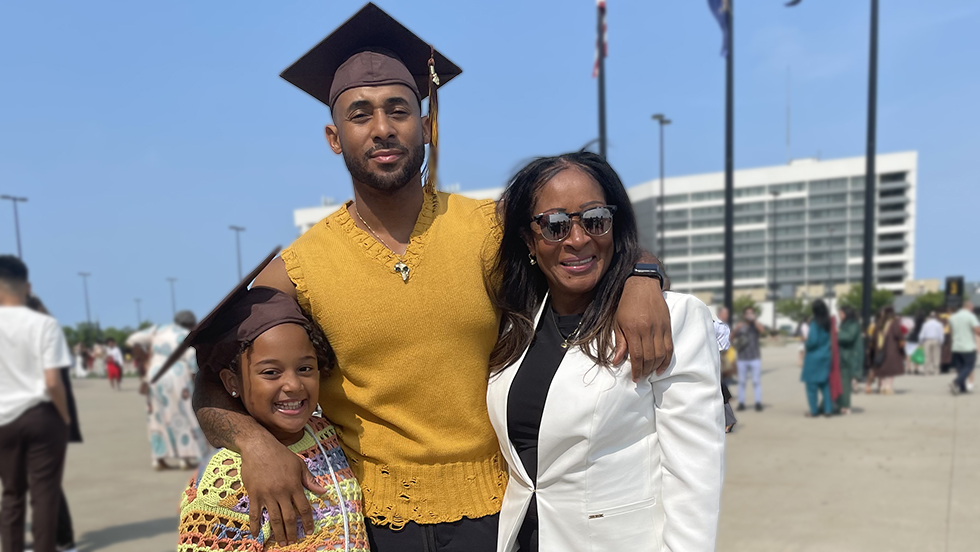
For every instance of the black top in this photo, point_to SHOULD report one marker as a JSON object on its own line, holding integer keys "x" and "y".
{"x": 525, "y": 404}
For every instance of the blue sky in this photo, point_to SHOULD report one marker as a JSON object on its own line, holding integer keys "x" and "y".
{"x": 140, "y": 131}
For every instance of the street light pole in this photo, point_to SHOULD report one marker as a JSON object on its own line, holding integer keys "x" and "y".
{"x": 15, "y": 201}
{"x": 238, "y": 247}
{"x": 663, "y": 120}
{"x": 775, "y": 285}
{"x": 139, "y": 315}
{"x": 173, "y": 296}
{"x": 88, "y": 313}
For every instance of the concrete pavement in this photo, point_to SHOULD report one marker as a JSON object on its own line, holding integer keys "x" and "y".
{"x": 902, "y": 473}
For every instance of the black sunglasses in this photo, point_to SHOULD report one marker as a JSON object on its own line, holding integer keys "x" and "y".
{"x": 555, "y": 227}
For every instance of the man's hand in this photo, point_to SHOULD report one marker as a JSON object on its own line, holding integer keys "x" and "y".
{"x": 275, "y": 477}
{"x": 643, "y": 328}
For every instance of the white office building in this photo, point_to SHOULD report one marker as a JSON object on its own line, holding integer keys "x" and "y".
{"x": 802, "y": 223}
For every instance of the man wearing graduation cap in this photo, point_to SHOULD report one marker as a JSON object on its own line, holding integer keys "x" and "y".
{"x": 396, "y": 281}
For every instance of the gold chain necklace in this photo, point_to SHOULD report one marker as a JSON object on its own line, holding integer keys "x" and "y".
{"x": 554, "y": 320}
{"x": 400, "y": 266}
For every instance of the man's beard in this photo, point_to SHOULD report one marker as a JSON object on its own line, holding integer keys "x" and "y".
{"x": 392, "y": 180}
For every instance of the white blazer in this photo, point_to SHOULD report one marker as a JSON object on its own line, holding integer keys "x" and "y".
{"x": 623, "y": 466}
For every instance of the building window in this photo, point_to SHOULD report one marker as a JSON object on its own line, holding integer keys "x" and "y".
{"x": 892, "y": 222}
{"x": 707, "y": 265}
{"x": 677, "y": 198}
{"x": 891, "y": 193}
{"x": 790, "y": 217}
{"x": 750, "y": 235}
{"x": 791, "y": 187}
{"x": 828, "y": 199}
{"x": 791, "y": 203}
{"x": 789, "y": 259}
{"x": 749, "y": 192}
{"x": 707, "y": 250}
{"x": 707, "y": 211}
{"x": 674, "y": 214}
{"x": 740, "y": 274}
{"x": 707, "y": 223}
{"x": 757, "y": 207}
{"x": 789, "y": 272}
{"x": 675, "y": 226}
{"x": 707, "y": 196}
{"x": 754, "y": 219}
{"x": 828, "y": 213}
{"x": 707, "y": 277}
{"x": 750, "y": 261}
{"x": 708, "y": 238}
{"x": 891, "y": 251}
{"x": 857, "y": 197}
{"x": 892, "y": 208}
{"x": 892, "y": 177}
{"x": 857, "y": 182}
{"x": 828, "y": 185}
{"x": 891, "y": 266}
{"x": 790, "y": 231}
{"x": 790, "y": 244}
{"x": 749, "y": 248}
{"x": 676, "y": 241}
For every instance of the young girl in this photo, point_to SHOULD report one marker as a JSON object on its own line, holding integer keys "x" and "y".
{"x": 270, "y": 356}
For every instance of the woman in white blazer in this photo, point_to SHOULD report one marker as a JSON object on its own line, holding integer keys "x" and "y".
{"x": 597, "y": 461}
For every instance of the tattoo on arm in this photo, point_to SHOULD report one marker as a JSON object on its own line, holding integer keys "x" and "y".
{"x": 219, "y": 427}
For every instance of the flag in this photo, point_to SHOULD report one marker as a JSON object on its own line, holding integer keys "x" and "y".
{"x": 601, "y": 4}
{"x": 719, "y": 8}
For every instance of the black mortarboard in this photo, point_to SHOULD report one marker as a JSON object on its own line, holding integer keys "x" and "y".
{"x": 240, "y": 317}
{"x": 369, "y": 49}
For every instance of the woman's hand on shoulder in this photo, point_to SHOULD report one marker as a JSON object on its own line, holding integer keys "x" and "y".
{"x": 275, "y": 478}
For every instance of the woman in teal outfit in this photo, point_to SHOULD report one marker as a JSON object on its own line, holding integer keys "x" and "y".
{"x": 816, "y": 363}
{"x": 850, "y": 343}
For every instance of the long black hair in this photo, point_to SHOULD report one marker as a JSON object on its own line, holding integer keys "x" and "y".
{"x": 821, "y": 314}
{"x": 518, "y": 288}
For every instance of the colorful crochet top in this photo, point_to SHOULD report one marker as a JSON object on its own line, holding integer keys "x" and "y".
{"x": 214, "y": 508}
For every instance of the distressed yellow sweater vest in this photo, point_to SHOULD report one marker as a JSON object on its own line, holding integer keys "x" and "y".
{"x": 409, "y": 397}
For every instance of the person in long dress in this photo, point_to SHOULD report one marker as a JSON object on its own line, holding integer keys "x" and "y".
{"x": 173, "y": 428}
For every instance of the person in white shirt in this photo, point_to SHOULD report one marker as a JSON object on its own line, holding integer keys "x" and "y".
{"x": 34, "y": 415}
{"x": 931, "y": 338}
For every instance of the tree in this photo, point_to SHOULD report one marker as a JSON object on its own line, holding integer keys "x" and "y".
{"x": 926, "y": 303}
{"x": 796, "y": 310}
{"x": 879, "y": 298}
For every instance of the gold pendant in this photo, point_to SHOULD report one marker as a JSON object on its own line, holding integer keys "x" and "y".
{"x": 402, "y": 269}
{"x": 564, "y": 344}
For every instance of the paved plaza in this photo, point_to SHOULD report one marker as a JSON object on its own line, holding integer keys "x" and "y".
{"x": 902, "y": 473}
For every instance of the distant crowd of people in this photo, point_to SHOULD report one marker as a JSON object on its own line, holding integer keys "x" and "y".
{"x": 839, "y": 359}
{"x": 38, "y": 417}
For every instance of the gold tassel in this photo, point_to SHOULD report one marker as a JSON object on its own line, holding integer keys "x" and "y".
{"x": 431, "y": 166}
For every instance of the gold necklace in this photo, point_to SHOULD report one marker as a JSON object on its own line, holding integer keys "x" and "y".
{"x": 564, "y": 344}
{"x": 400, "y": 266}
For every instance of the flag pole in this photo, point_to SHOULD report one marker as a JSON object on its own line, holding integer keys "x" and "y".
{"x": 601, "y": 53}
{"x": 729, "y": 166}
{"x": 869, "y": 174}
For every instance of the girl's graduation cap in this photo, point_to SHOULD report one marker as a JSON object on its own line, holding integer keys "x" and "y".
{"x": 373, "y": 49}
{"x": 240, "y": 317}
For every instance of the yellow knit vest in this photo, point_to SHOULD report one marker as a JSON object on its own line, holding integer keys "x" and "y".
{"x": 409, "y": 397}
